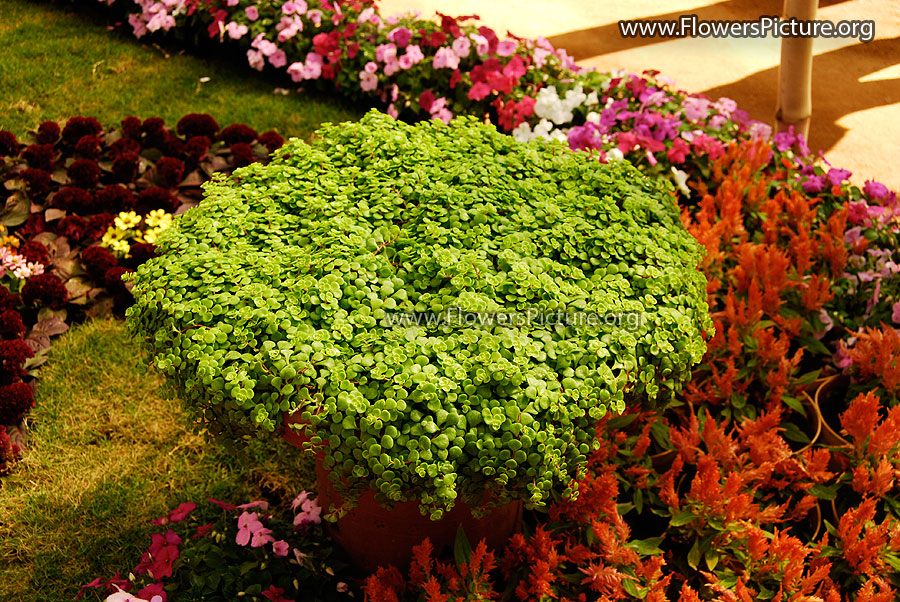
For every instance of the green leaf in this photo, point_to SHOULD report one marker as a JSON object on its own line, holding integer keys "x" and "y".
{"x": 712, "y": 558}
{"x": 462, "y": 550}
{"x": 693, "y": 557}
{"x": 632, "y": 589}
{"x": 824, "y": 492}
{"x": 647, "y": 547}
{"x": 682, "y": 518}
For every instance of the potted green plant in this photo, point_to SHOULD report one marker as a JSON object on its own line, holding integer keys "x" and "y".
{"x": 446, "y": 310}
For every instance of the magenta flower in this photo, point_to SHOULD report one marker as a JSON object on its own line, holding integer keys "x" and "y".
{"x": 836, "y": 176}
{"x": 461, "y": 46}
{"x": 252, "y": 13}
{"x": 479, "y": 91}
{"x": 177, "y": 515}
{"x": 814, "y": 184}
{"x": 275, "y": 594}
{"x": 445, "y": 58}
{"x": 875, "y": 190}
{"x": 507, "y": 48}
{"x": 400, "y": 35}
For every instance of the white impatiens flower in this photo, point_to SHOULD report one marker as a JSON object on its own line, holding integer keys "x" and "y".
{"x": 593, "y": 117}
{"x": 592, "y": 99}
{"x": 548, "y": 104}
{"x": 542, "y": 129}
{"x": 522, "y": 132}
{"x": 681, "y": 180}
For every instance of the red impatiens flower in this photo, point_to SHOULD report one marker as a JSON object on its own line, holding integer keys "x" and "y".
{"x": 85, "y": 173}
{"x": 271, "y": 140}
{"x": 40, "y": 156}
{"x": 238, "y": 132}
{"x": 126, "y": 166}
{"x": 89, "y": 147}
{"x": 76, "y": 127}
{"x": 15, "y": 400}
{"x": 275, "y": 594}
{"x": 197, "y": 124}
{"x": 242, "y": 154}
{"x": 39, "y": 182}
{"x": 48, "y": 132}
{"x": 36, "y": 252}
{"x": 9, "y": 145}
{"x": 115, "y": 198}
{"x": 169, "y": 172}
{"x": 131, "y": 127}
{"x": 97, "y": 260}
{"x": 45, "y": 290}
{"x": 158, "y": 559}
{"x": 11, "y": 325}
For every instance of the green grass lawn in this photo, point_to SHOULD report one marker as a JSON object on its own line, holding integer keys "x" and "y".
{"x": 57, "y": 63}
{"x": 107, "y": 454}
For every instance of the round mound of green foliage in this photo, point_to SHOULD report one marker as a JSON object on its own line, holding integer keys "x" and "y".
{"x": 450, "y": 310}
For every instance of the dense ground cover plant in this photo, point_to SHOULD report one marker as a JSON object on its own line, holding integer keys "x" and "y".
{"x": 71, "y": 193}
{"x": 272, "y": 295}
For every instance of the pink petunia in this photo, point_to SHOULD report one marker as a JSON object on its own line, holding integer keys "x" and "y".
{"x": 461, "y": 46}
{"x": 445, "y": 58}
{"x": 367, "y": 81}
{"x": 507, "y": 48}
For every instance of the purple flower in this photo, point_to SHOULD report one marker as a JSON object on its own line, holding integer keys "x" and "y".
{"x": 784, "y": 140}
{"x": 837, "y": 176}
{"x": 875, "y": 190}
{"x": 814, "y": 184}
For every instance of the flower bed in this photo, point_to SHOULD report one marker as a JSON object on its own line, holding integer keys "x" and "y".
{"x": 82, "y": 206}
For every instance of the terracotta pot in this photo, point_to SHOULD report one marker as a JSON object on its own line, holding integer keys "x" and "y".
{"x": 374, "y": 536}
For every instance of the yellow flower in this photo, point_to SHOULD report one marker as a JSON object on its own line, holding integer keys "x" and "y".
{"x": 158, "y": 218}
{"x": 127, "y": 220}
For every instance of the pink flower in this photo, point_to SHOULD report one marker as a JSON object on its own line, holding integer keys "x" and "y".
{"x": 235, "y": 31}
{"x": 252, "y": 13}
{"x": 278, "y": 59}
{"x": 274, "y": 594}
{"x": 540, "y": 57}
{"x": 461, "y": 46}
{"x": 281, "y": 548}
{"x": 310, "y": 511}
{"x": 252, "y": 531}
{"x": 177, "y": 515}
{"x": 371, "y": 67}
{"x": 256, "y": 59}
{"x": 479, "y": 91}
{"x": 392, "y": 111}
{"x": 400, "y": 35}
{"x": 232, "y": 2}
{"x": 717, "y": 121}
{"x": 895, "y": 313}
{"x": 315, "y": 16}
{"x": 367, "y": 81}
{"x": 481, "y": 43}
{"x": 386, "y": 53}
{"x": 391, "y": 68}
{"x": 267, "y": 48}
{"x": 725, "y": 106}
{"x": 507, "y": 47}
{"x": 445, "y": 58}
{"x": 443, "y": 114}
{"x": 365, "y": 15}
{"x": 163, "y": 552}
{"x": 695, "y": 108}
{"x": 294, "y": 6}
{"x": 413, "y": 55}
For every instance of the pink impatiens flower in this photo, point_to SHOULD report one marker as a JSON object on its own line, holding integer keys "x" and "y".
{"x": 481, "y": 43}
{"x": 252, "y": 531}
{"x": 252, "y": 13}
{"x": 371, "y": 67}
{"x": 413, "y": 55}
{"x": 310, "y": 511}
{"x": 278, "y": 59}
{"x": 400, "y": 35}
{"x": 177, "y": 515}
{"x": 281, "y": 548}
{"x": 386, "y": 53}
{"x": 256, "y": 59}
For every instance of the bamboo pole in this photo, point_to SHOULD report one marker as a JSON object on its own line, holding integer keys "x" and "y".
{"x": 794, "y": 107}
